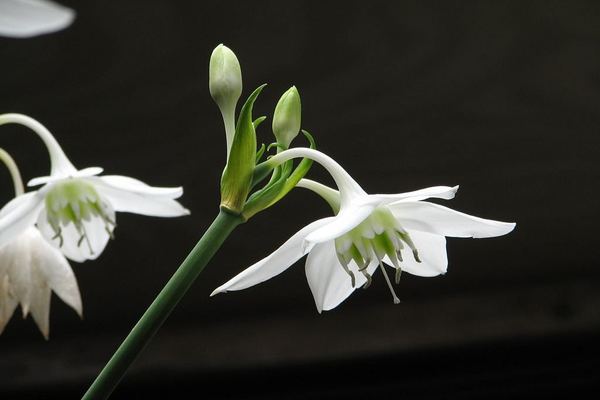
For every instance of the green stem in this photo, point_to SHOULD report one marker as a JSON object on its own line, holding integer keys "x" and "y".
{"x": 162, "y": 306}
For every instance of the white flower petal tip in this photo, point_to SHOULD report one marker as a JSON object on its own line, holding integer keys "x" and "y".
{"x": 30, "y": 270}
{"x": 29, "y": 18}
{"x": 217, "y": 291}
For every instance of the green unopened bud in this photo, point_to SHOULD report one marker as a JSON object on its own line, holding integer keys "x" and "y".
{"x": 225, "y": 85}
{"x": 287, "y": 117}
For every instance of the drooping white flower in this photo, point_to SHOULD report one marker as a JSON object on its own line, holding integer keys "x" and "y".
{"x": 30, "y": 269}
{"x": 75, "y": 209}
{"x": 27, "y": 18}
{"x": 400, "y": 230}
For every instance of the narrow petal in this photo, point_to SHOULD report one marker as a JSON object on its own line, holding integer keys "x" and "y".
{"x": 280, "y": 260}
{"x": 432, "y": 253}
{"x": 82, "y": 173}
{"x": 154, "y": 205}
{"x": 438, "y": 192}
{"x": 328, "y": 282}
{"x": 56, "y": 271}
{"x": 433, "y": 218}
{"x": 19, "y": 214}
{"x": 135, "y": 186}
{"x": 8, "y": 303}
{"x": 39, "y": 299}
{"x": 22, "y": 19}
{"x": 348, "y": 218}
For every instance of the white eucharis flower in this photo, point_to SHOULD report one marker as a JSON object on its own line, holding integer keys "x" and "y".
{"x": 75, "y": 209}
{"x": 28, "y": 18}
{"x": 368, "y": 231}
{"x": 30, "y": 269}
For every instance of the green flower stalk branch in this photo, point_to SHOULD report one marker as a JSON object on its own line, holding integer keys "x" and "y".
{"x": 163, "y": 305}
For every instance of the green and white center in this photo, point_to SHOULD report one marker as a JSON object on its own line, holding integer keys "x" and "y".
{"x": 379, "y": 237}
{"x": 74, "y": 201}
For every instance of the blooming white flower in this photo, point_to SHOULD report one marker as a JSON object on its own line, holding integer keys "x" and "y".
{"x": 368, "y": 231}
{"x": 27, "y": 18}
{"x": 75, "y": 209}
{"x": 30, "y": 269}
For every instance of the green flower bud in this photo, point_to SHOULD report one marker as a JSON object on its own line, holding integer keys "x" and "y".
{"x": 286, "y": 120}
{"x": 225, "y": 85}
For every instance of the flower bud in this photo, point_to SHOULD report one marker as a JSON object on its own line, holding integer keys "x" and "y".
{"x": 286, "y": 120}
{"x": 225, "y": 85}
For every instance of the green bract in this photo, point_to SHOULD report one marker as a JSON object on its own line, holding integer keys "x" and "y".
{"x": 237, "y": 176}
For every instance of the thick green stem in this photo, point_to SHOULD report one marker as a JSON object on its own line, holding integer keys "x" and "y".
{"x": 162, "y": 306}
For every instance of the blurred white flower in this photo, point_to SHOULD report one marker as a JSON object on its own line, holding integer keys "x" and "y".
{"x": 27, "y": 18}
{"x": 30, "y": 269}
{"x": 75, "y": 209}
{"x": 368, "y": 231}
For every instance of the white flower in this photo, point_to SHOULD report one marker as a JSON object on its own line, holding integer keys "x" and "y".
{"x": 75, "y": 209}
{"x": 400, "y": 230}
{"x": 27, "y": 18}
{"x": 30, "y": 269}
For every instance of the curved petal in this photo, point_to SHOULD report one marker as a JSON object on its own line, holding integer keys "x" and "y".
{"x": 19, "y": 214}
{"x": 328, "y": 282}
{"x": 274, "y": 264}
{"x": 432, "y": 252}
{"x": 433, "y": 218}
{"x": 82, "y": 173}
{"x": 145, "y": 204}
{"x": 348, "y": 218}
{"x": 132, "y": 185}
{"x": 56, "y": 271}
{"x": 22, "y": 19}
{"x": 438, "y": 192}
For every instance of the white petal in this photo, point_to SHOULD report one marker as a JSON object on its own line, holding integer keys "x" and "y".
{"x": 8, "y": 303}
{"x": 328, "y": 282}
{"x": 19, "y": 214}
{"x": 433, "y": 218}
{"x": 72, "y": 247}
{"x": 438, "y": 192}
{"x": 124, "y": 200}
{"x": 277, "y": 262}
{"x": 56, "y": 271}
{"x": 346, "y": 220}
{"x": 432, "y": 253}
{"x": 135, "y": 186}
{"x": 26, "y": 18}
{"x": 82, "y": 173}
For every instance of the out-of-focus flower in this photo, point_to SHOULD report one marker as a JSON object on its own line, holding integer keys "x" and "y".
{"x": 27, "y": 18}
{"x": 368, "y": 231}
{"x": 75, "y": 209}
{"x": 30, "y": 269}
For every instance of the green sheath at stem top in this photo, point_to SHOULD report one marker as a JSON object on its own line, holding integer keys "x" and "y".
{"x": 163, "y": 305}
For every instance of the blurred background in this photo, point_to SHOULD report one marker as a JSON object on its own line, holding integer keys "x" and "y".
{"x": 502, "y": 98}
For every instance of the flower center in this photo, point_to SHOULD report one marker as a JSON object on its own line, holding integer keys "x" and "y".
{"x": 379, "y": 237}
{"x": 75, "y": 201}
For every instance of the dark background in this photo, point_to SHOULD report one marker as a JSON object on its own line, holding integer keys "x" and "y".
{"x": 502, "y": 98}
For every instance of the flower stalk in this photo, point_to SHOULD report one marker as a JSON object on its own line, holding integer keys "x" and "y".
{"x": 163, "y": 305}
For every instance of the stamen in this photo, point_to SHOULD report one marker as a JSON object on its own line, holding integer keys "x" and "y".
{"x": 389, "y": 283}
{"x": 369, "y": 279}
{"x": 398, "y": 275}
{"x": 406, "y": 237}
{"x": 344, "y": 265}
